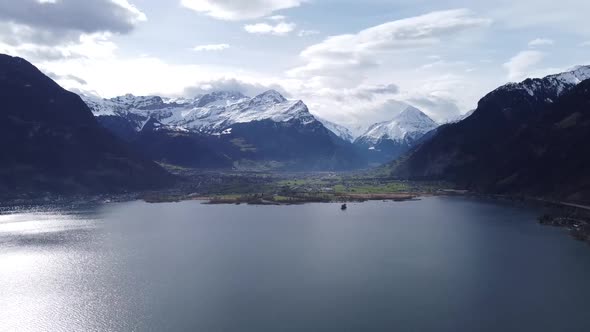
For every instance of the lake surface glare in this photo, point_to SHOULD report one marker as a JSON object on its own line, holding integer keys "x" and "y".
{"x": 437, "y": 264}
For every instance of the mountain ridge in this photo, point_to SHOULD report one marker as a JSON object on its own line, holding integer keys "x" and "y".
{"x": 474, "y": 152}
{"x": 237, "y": 122}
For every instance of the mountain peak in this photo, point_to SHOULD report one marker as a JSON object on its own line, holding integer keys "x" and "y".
{"x": 408, "y": 125}
{"x": 411, "y": 113}
{"x": 270, "y": 96}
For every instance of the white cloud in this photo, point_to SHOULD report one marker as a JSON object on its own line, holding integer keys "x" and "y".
{"x": 305, "y": 33}
{"x": 335, "y": 73}
{"x": 279, "y": 29}
{"x": 231, "y": 84}
{"x": 277, "y": 18}
{"x": 114, "y": 75}
{"x": 211, "y": 47}
{"x": 234, "y": 10}
{"x": 520, "y": 66}
{"x": 585, "y": 44}
{"x": 50, "y": 30}
{"x": 356, "y": 52}
{"x": 541, "y": 42}
{"x": 86, "y": 46}
{"x": 58, "y": 18}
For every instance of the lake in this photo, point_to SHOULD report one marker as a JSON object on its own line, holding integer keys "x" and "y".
{"x": 437, "y": 264}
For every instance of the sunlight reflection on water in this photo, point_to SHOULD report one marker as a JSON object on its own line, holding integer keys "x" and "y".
{"x": 432, "y": 265}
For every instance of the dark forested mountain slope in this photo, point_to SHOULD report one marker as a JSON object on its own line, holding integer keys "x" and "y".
{"x": 526, "y": 138}
{"x": 51, "y": 142}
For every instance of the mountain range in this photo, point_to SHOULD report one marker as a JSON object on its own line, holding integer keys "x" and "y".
{"x": 227, "y": 129}
{"x": 526, "y": 138}
{"x": 523, "y": 138}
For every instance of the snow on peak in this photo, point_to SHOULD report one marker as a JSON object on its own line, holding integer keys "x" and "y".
{"x": 412, "y": 115}
{"x": 410, "y": 124}
{"x": 268, "y": 97}
{"x": 210, "y": 113}
{"x": 220, "y": 98}
{"x": 139, "y": 102}
{"x": 338, "y": 130}
{"x": 551, "y": 86}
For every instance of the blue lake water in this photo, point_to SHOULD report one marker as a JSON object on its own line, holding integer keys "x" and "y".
{"x": 438, "y": 264}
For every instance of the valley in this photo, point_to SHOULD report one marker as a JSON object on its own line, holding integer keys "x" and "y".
{"x": 285, "y": 188}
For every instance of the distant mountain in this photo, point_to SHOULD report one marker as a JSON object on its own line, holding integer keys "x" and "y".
{"x": 229, "y": 130}
{"x": 386, "y": 141}
{"x": 52, "y": 143}
{"x": 527, "y": 137}
{"x": 337, "y": 129}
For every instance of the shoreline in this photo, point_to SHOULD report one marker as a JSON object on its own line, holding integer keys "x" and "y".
{"x": 265, "y": 199}
{"x": 573, "y": 217}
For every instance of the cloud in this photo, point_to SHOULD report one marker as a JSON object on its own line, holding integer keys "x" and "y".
{"x": 231, "y": 84}
{"x": 305, "y": 33}
{"x": 440, "y": 108}
{"x": 85, "y": 46}
{"x": 541, "y": 42}
{"x": 585, "y": 44}
{"x": 279, "y": 29}
{"x": 114, "y": 75}
{"x": 519, "y": 66}
{"x": 64, "y": 16}
{"x": 211, "y": 47}
{"x": 234, "y": 10}
{"x": 277, "y": 18}
{"x": 359, "y": 93}
{"x": 69, "y": 77}
{"x": 356, "y": 52}
{"x": 52, "y": 30}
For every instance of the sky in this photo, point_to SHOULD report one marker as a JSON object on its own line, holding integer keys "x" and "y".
{"x": 354, "y": 63}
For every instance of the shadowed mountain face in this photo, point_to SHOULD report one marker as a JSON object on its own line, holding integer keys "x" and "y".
{"x": 524, "y": 138}
{"x": 52, "y": 142}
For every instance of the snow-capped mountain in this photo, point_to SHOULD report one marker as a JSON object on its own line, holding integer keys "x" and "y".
{"x": 552, "y": 85}
{"x": 211, "y": 113}
{"x": 408, "y": 126}
{"x": 338, "y": 130}
{"x": 266, "y": 129}
{"x": 386, "y": 141}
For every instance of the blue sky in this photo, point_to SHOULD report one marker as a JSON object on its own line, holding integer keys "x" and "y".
{"x": 352, "y": 62}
